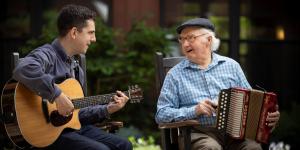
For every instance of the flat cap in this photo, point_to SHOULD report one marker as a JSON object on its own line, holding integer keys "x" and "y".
{"x": 201, "y": 22}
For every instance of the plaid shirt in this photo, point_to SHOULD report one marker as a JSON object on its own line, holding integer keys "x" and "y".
{"x": 186, "y": 85}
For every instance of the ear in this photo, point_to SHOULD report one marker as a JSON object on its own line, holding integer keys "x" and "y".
{"x": 209, "y": 40}
{"x": 73, "y": 32}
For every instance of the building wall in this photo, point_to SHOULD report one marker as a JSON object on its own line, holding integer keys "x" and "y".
{"x": 126, "y": 12}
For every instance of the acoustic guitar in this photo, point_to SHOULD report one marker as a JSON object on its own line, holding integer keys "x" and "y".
{"x": 27, "y": 118}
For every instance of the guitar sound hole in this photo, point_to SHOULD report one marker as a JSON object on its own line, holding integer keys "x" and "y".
{"x": 57, "y": 120}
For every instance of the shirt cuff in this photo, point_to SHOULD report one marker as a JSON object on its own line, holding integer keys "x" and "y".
{"x": 191, "y": 112}
{"x": 106, "y": 114}
{"x": 57, "y": 92}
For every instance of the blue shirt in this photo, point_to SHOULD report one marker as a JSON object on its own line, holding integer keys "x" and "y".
{"x": 186, "y": 85}
{"x": 41, "y": 68}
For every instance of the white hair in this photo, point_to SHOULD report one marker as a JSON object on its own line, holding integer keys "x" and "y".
{"x": 215, "y": 41}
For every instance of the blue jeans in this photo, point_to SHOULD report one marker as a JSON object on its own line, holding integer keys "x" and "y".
{"x": 90, "y": 138}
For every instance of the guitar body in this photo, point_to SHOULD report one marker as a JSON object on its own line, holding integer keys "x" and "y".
{"x": 24, "y": 116}
{"x": 28, "y": 120}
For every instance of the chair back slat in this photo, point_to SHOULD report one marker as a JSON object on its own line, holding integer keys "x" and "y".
{"x": 14, "y": 60}
{"x": 162, "y": 66}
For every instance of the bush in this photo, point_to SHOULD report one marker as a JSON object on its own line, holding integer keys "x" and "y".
{"x": 144, "y": 144}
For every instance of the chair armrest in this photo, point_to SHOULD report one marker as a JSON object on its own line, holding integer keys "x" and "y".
{"x": 110, "y": 126}
{"x": 118, "y": 124}
{"x": 179, "y": 124}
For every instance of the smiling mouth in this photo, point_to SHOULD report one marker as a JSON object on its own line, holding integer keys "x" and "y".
{"x": 189, "y": 50}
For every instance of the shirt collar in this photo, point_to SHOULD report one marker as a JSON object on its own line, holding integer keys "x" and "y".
{"x": 216, "y": 59}
{"x": 60, "y": 50}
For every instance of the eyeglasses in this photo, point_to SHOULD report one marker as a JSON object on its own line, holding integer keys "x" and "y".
{"x": 190, "y": 38}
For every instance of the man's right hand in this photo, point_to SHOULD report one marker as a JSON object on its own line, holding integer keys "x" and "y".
{"x": 64, "y": 105}
{"x": 206, "y": 107}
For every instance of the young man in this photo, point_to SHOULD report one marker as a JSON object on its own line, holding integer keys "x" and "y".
{"x": 40, "y": 68}
{"x": 191, "y": 87}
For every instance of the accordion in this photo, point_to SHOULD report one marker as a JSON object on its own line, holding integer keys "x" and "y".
{"x": 242, "y": 113}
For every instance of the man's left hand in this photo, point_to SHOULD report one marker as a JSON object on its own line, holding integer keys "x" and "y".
{"x": 273, "y": 118}
{"x": 120, "y": 99}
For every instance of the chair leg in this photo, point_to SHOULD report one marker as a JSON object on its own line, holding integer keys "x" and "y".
{"x": 184, "y": 140}
{"x": 165, "y": 139}
{"x": 169, "y": 139}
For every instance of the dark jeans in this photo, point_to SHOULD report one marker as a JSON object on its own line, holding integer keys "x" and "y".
{"x": 90, "y": 138}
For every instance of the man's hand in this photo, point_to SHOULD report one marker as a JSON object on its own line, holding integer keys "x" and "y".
{"x": 64, "y": 105}
{"x": 206, "y": 107}
{"x": 273, "y": 118}
{"x": 120, "y": 99}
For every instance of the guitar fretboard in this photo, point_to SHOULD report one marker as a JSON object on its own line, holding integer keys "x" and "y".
{"x": 94, "y": 100}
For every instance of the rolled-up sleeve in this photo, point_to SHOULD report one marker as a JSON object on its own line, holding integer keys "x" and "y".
{"x": 168, "y": 107}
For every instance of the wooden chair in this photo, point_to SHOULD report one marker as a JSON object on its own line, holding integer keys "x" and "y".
{"x": 174, "y": 135}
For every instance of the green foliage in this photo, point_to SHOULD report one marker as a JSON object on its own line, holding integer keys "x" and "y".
{"x": 144, "y": 144}
{"x": 15, "y": 26}
{"x": 142, "y": 42}
{"x": 139, "y": 48}
{"x": 49, "y": 32}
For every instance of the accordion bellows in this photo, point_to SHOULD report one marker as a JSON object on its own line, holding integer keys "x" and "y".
{"x": 242, "y": 113}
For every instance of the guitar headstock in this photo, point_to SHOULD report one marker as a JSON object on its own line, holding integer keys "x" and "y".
{"x": 135, "y": 94}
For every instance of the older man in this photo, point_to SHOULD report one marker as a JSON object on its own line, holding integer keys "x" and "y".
{"x": 191, "y": 88}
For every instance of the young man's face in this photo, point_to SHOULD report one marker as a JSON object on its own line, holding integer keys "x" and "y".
{"x": 85, "y": 37}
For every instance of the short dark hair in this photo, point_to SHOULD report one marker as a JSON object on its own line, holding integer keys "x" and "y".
{"x": 73, "y": 16}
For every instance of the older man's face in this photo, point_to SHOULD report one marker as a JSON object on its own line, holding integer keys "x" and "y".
{"x": 195, "y": 43}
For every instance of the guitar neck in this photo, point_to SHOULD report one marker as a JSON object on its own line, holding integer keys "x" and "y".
{"x": 95, "y": 100}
